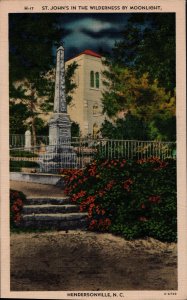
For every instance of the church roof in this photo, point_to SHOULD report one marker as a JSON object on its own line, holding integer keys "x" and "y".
{"x": 91, "y": 53}
{"x": 88, "y": 52}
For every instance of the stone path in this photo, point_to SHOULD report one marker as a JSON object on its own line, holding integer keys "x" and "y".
{"x": 34, "y": 189}
{"x": 47, "y": 207}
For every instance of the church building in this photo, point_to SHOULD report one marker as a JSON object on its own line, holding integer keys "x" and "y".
{"x": 86, "y": 106}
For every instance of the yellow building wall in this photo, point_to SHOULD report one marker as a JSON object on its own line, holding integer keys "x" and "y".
{"x": 86, "y": 107}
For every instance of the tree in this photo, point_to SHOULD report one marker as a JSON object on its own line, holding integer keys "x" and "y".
{"x": 26, "y": 95}
{"x": 140, "y": 78}
{"x": 75, "y": 129}
{"x": 35, "y": 103}
{"x": 33, "y": 38}
{"x": 148, "y": 46}
{"x": 69, "y": 82}
{"x": 18, "y": 113}
{"x": 126, "y": 92}
{"x": 129, "y": 127}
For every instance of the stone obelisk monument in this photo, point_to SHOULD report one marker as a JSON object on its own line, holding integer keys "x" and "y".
{"x": 60, "y": 125}
{"x": 59, "y": 154}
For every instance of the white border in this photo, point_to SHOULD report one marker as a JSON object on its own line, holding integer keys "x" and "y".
{"x": 177, "y": 6}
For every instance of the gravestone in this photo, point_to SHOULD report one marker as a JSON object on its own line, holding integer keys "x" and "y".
{"x": 27, "y": 140}
{"x": 59, "y": 154}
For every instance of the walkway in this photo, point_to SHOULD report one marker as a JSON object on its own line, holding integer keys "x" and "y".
{"x": 82, "y": 260}
{"x": 36, "y": 189}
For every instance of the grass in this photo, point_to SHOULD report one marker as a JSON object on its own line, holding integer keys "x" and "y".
{"x": 15, "y": 166}
{"x": 21, "y": 153}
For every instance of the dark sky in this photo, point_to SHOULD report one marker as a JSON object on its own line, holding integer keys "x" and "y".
{"x": 91, "y": 31}
{"x": 30, "y": 34}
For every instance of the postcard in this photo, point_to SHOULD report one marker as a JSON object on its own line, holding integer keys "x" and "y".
{"x": 93, "y": 149}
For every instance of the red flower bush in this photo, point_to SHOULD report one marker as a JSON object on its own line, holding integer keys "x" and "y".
{"x": 154, "y": 199}
{"x": 132, "y": 198}
{"x": 17, "y": 200}
{"x": 127, "y": 184}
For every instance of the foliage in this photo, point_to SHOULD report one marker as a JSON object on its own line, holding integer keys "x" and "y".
{"x": 148, "y": 45}
{"x": 17, "y": 200}
{"x": 163, "y": 128}
{"x": 32, "y": 40}
{"x": 15, "y": 166}
{"x": 27, "y": 96}
{"x": 130, "y": 127}
{"x": 22, "y": 153}
{"x": 36, "y": 99}
{"x": 41, "y": 127}
{"x": 133, "y": 128}
{"x": 125, "y": 92}
{"x": 75, "y": 129}
{"x": 70, "y": 86}
{"x": 132, "y": 198}
{"x": 140, "y": 75}
{"x": 18, "y": 113}
{"x": 69, "y": 82}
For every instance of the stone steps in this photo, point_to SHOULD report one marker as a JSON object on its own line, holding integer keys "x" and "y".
{"x": 47, "y": 200}
{"x": 50, "y": 208}
{"x": 52, "y": 213}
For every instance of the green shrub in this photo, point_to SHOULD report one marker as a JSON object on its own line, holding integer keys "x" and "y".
{"x": 21, "y": 153}
{"x": 131, "y": 198}
{"x": 17, "y": 200}
{"x": 15, "y": 166}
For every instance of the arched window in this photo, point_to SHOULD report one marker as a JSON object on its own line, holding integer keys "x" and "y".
{"x": 92, "y": 79}
{"x": 97, "y": 80}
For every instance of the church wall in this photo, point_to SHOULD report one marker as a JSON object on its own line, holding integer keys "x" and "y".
{"x": 92, "y": 95}
{"x": 86, "y": 107}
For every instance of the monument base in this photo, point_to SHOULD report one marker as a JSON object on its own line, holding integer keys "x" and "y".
{"x": 59, "y": 129}
{"x": 58, "y": 157}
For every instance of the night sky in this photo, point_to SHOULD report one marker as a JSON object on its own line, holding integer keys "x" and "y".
{"x": 91, "y": 31}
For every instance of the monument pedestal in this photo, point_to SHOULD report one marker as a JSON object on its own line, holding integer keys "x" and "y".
{"x": 59, "y": 129}
{"x": 59, "y": 154}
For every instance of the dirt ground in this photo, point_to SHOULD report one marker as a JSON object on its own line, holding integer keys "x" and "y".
{"x": 78, "y": 260}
